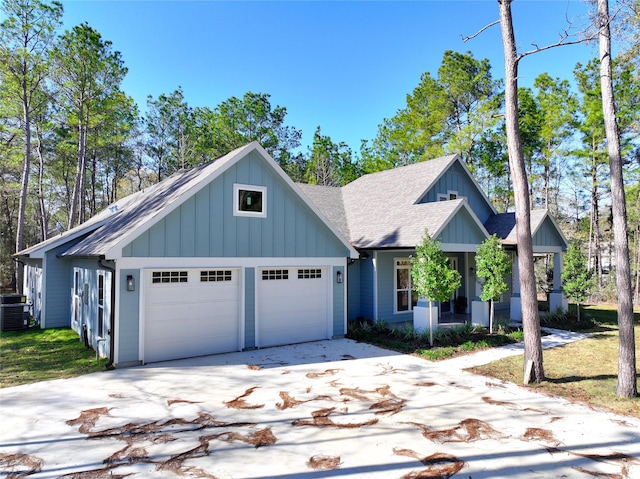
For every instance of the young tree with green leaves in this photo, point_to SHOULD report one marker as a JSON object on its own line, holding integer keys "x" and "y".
{"x": 431, "y": 276}
{"x": 577, "y": 280}
{"x": 493, "y": 264}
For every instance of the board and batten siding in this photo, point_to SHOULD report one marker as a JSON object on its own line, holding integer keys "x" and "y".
{"x": 547, "y": 235}
{"x": 462, "y": 229}
{"x": 249, "y": 308}
{"x": 128, "y": 326}
{"x": 456, "y": 179}
{"x": 204, "y": 225}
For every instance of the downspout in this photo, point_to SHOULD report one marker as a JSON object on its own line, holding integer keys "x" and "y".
{"x": 112, "y": 313}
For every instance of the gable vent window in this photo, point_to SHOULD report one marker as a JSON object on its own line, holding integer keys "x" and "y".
{"x": 215, "y": 276}
{"x": 309, "y": 273}
{"x": 169, "y": 277}
{"x": 269, "y": 274}
{"x": 250, "y": 200}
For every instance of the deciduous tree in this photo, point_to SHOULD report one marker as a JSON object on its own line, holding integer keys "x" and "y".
{"x": 431, "y": 276}
{"x": 493, "y": 264}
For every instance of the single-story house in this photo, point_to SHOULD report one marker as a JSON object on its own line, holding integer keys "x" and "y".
{"x": 233, "y": 255}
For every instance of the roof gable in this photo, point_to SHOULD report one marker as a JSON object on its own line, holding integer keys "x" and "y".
{"x": 157, "y": 203}
{"x": 544, "y": 230}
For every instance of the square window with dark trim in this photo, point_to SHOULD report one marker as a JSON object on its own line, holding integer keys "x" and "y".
{"x": 273, "y": 274}
{"x": 310, "y": 273}
{"x": 169, "y": 277}
{"x": 215, "y": 276}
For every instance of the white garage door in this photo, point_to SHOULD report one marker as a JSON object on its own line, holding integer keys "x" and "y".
{"x": 190, "y": 313}
{"x": 292, "y": 305}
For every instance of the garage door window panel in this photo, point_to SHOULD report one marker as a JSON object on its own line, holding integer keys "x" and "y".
{"x": 166, "y": 277}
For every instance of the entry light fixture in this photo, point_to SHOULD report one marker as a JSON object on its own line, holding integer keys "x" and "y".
{"x": 339, "y": 277}
{"x": 131, "y": 283}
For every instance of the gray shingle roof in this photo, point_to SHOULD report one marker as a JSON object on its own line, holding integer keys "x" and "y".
{"x": 380, "y": 210}
{"x": 328, "y": 200}
{"x": 146, "y": 205}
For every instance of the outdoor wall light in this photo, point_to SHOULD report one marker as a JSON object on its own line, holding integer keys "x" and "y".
{"x": 339, "y": 277}
{"x": 131, "y": 283}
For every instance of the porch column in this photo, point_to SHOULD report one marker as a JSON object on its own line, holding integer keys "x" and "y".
{"x": 516, "y": 305}
{"x": 557, "y": 300}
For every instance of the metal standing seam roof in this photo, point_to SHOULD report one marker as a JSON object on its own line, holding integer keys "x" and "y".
{"x": 503, "y": 225}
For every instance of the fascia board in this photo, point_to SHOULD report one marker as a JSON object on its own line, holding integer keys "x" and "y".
{"x": 47, "y": 245}
{"x": 463, "y": 204}
{"x": 115, "y": 252}
{"x": 555, "y": 225}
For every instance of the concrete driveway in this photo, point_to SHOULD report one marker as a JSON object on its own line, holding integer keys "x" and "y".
{"x": 324, "y": 409}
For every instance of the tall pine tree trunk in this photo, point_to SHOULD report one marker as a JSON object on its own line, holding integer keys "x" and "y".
{"x": 534, "y": 370}
{"x": 627, "y": 384}
{"x": 44, "y": 224}
{"x": 24, "y": 185}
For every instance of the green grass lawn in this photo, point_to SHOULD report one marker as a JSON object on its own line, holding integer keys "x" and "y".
{"x": 584, "y": 371}
{"x": 41, "y": 354}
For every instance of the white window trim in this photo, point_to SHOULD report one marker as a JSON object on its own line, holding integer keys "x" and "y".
{"x": 395, "y": 285}
{"x": 236, "y": 200}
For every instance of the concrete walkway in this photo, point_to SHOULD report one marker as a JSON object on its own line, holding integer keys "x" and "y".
{"x": 316, "y": 410}
{"x": 556, "y": 337}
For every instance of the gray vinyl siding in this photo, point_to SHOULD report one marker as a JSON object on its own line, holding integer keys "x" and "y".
{"x": 462, "y": 229}
{"x": 353, "y": 290}
{"x": 338, "y": 303}
{"x": 547, "y": 235}
{"x": 250, "y": 308}
{"x": 129, "y": 318}
{"x": 57, "y": 289}
{"x": 456, "y": 179}
{"x": 386, "y": 287}
{"x": 204, "y": 226}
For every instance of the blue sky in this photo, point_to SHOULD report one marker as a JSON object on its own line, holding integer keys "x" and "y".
{"x": 344, "y": 66}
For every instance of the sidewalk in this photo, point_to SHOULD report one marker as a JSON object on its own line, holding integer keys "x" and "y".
{"x": 556, "y": 337}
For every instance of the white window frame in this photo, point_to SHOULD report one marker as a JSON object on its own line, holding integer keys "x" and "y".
{"x": 236, "y": 200}
{"x": 101, "y": 320}
{"x": 397, "y": 267}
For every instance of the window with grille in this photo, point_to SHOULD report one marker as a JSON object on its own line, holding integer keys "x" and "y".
{"x": 169, "y": 277}
{"x": 271, "y": 274}
{"x": 310, "y": 273}
{"x": 214, "y": 276}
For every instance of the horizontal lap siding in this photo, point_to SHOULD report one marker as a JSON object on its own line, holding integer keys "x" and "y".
{"x": 204, "y": 226}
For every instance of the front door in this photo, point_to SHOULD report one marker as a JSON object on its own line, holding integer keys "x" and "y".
{"x": 447, "y": 306}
